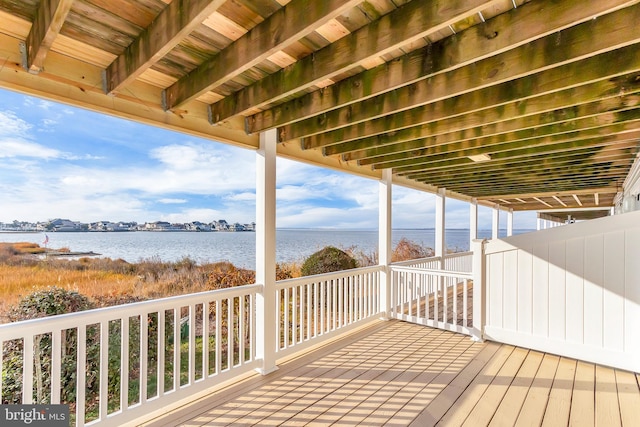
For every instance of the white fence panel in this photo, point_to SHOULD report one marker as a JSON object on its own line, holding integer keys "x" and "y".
{"x": 573, "y": 290}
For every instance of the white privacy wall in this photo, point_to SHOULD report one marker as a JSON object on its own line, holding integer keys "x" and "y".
{"x": 571, "y": 290}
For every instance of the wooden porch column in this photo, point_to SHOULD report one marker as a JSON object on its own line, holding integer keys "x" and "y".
{"x": 384, "y": 241}
{"x": 266, "y": 251}
{"x": 495, "y": 224}
{"x": 510, "y": 222}
{"x": 473, "y": 222}
{"x": 440, "y": 225}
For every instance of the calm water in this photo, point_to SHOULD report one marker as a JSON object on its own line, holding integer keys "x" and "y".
{"x": 238, "y": 248}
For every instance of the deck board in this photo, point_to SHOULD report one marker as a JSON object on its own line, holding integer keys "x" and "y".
{"x": 399, "y": 374}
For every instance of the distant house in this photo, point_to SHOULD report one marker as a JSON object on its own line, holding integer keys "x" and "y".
{"x": 64, "y": 225}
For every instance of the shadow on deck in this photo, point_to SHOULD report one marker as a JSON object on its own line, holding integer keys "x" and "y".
{"x": 396, "y": 373}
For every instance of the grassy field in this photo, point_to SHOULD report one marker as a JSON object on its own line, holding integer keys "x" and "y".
{"x": 25, "y": 269}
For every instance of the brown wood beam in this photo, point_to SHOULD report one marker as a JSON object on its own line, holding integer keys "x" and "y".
{"x": 552, "y": 186}
{"x": 535, "y": 19}
{"x": 623, "y": 139}
{"x": 173, "y": 25}
{"x": 285, "y": 26}
{"x": 582, "y": 117}
{"x": 410, "y": 22}
{"x": 494, "y": 145}
{"x": 523, "y": 93}
{"x": 524, "y": 167}
{"x": 601, "y": 190}
{"x": 49, "y": 19}
{"x": 611, "y": 167}
{"x": 607, "y": 33}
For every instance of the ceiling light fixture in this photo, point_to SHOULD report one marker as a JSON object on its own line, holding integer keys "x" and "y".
{"x": 480, "y": 157}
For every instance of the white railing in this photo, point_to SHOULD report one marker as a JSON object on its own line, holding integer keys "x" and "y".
{"x": 314, "y": 308}
{"x": 115, "y": 365}
{"x": 436, "y": 298}
{"x": 131, "y": 359}
{"x": 461, "y": 262}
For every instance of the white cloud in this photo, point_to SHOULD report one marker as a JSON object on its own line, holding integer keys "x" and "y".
{"x": 168, "y": 201}
{"x": 22, "y": 148}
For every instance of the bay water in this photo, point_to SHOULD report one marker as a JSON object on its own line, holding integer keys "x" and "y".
{"x": 292, "y": 245}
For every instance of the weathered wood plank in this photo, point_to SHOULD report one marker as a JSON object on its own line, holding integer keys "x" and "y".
{"x": 498, "y": 144}
{"x": 174, "y": 24}
{"x": 582, "y": 116}
{"x": 282, "y": 28}
{"x": 410, "y": 22}
{"x": 577, "y": 43}
{"x": 523, "y": 92}
{"x": 520, "y": 150}
{"x": 465, "y": 47}
{"x": 45, "y": 28}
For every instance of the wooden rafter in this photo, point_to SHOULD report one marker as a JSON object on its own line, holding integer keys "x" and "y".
{"x": 569, "y": 45}
{"x": 496, "y": 144}
{"x": 571, "y": 119}
{"x": 46, "y": 27}
{"x": 176, "y": 22}
{"x": 296, "y": 19}
{"x": 414, "y": 20}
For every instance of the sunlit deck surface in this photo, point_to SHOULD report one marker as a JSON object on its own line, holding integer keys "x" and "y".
{"x": 396, "y": 373}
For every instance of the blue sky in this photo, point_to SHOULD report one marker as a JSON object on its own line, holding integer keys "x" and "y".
{"x": 58, "y": 161}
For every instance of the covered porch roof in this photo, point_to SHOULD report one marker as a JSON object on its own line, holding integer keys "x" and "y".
{"x": 526, "y": 104}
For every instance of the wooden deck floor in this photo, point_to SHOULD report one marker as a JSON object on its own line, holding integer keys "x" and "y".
{"x": 398, "y": 374}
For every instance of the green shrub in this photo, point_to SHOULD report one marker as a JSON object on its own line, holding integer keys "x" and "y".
{"x": 327, "y": 260}
{"x": 47, "y": 302}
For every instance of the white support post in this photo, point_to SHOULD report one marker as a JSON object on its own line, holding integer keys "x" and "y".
{"x": 440, "y": 225}
{"x": 473, "y": 222}
{"x": 510, "y": 222}
{"x": 479, "y": 290}
{"x": 495, "y": 224}
{"x": 265, "y": 251}
{"x": 384, "y": 242}
{"x": 539, "y": 222}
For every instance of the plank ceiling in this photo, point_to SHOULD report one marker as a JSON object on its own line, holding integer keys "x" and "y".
{"x": 527, "y": 104}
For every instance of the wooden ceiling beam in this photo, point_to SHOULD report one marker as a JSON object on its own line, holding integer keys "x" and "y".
{"x": 550, "y": 185}
{"x": 598, "y": 169}
{"x": 173, "y": 25}
{"x": 624, "y": 140}
{"x": 535, "y": 19}
{"x": 577, "y": 43}
{"x": 593, "y": 114}
{"x": 577, "y": 80}
{"x": 45, "y": 28}
{"x": 521, "y": 168}
{"x": 410, "y": 22}
{"x": 493, "y": 145}
{"x": 284, "y": 27}
{"x": 601, "y": 190}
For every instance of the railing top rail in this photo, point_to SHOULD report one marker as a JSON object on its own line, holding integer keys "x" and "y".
{"x": 433, "y": 272}
{"x": 416, "y": 261}
{"x": 89, "y": 317}
{"x": 458, "y": 254}
{"x": 282, "y": 284}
